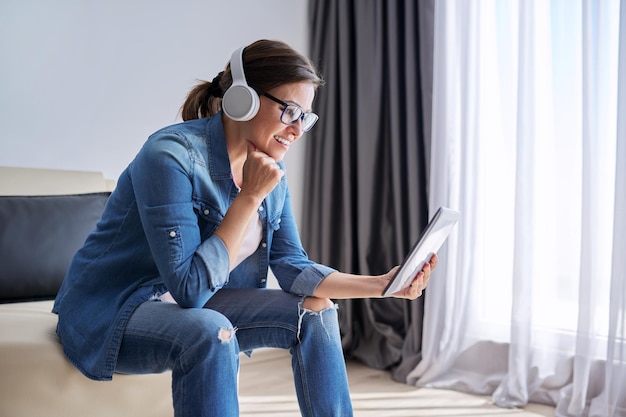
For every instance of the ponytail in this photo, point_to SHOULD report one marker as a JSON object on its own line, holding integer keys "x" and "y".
{"x": 204, "y": 100}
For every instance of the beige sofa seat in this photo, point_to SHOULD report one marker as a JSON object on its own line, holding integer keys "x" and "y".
{"x": 36, "y": 379}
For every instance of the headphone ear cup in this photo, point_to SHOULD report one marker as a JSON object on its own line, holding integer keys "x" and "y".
{"x": 240, "y": 102}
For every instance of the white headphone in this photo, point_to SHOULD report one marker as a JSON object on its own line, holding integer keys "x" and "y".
{"x": 240, "y": 102}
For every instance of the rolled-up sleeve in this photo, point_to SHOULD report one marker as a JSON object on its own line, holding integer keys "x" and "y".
{"x": 307, "y": 281}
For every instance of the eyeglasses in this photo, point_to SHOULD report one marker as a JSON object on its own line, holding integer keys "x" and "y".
{"x": 292, "y": 113}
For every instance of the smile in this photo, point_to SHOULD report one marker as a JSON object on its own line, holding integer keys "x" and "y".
{"x": 282, "y": 140}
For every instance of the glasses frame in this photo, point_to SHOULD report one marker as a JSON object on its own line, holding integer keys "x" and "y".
{"x": 304, "y": 114}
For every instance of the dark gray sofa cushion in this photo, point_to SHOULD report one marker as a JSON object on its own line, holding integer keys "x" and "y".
{"x": 38, "y": 238}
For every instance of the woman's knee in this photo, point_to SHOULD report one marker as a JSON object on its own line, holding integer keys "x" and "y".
{"x": 208, "y": 324}
{"x": 207, "y": 337}
{"x": 318, "y": 322}
{"x": 317, "y": 304}
{"x": 200, "y": 330}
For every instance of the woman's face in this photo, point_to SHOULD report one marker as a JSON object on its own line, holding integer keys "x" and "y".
{"x": 266, "y": 131}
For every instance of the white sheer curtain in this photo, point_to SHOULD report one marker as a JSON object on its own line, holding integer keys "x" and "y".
{"x": 528, "y": 142}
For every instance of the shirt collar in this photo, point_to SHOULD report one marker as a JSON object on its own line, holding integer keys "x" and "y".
{"x": 218, "y": 159}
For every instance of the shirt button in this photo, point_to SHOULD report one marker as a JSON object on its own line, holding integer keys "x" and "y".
{"x": 263, "y": 281}
{"x": 264, "y": 244}
{"x": 261, "y": 208}
{"x": 206, "y": 212}
{"x": 173, "y": 233}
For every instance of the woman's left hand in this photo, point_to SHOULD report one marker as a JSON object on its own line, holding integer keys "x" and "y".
{"x": 419, "y": 283}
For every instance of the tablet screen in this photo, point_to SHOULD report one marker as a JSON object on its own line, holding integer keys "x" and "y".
{"x": 430, "y": 241}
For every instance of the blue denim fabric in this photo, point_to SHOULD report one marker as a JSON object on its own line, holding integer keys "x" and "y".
{"x": 156, "y": 235}
{"x": 201, "y": 346}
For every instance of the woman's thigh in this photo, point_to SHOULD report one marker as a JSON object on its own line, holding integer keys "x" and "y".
{"x": 158, "y": 333}
{"x": 262, "y": 317}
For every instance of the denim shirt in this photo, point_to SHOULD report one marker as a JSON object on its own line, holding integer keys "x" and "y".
{"x": 156, "y": 235}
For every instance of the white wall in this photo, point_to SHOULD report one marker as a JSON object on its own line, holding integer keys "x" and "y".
{"x": 83, "y": 83}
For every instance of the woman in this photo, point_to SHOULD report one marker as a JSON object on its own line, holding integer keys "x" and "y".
{"x": 173, "y": 276}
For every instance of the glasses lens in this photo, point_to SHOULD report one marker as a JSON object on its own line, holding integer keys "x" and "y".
{"x": 309, "y": 121}
{"x": 291, "y": 114}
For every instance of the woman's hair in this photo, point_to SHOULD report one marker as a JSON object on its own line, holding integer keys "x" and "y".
{"x": 267, "y": 65}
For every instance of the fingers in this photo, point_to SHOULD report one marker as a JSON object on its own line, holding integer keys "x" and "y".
{"x": 424, "y": 274}
{"x": 416, "y": 288}
{"x": 433, "y": 261}
{"x": 420, "y": 281}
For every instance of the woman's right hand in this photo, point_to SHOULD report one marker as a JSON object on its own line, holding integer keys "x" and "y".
{"x": 261, "y": 174}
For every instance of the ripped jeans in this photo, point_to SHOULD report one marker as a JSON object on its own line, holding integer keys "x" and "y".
{"x": 201, "y": 347}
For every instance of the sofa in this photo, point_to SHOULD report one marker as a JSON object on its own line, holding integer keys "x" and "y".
{"x": 45, "y": 216}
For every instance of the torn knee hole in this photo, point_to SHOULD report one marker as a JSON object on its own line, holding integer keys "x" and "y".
{"x": 225, "y": 335}
{"x": 317, "y": 304}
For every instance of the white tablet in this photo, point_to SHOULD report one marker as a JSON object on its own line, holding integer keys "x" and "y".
{"x": 430, "y": 241}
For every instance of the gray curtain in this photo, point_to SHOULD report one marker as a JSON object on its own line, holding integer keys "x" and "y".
{"x": 366, "y": 165}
